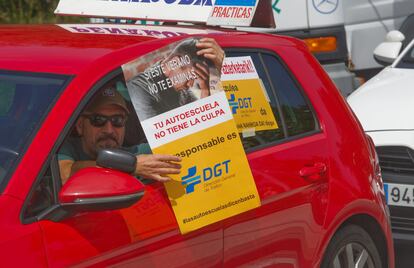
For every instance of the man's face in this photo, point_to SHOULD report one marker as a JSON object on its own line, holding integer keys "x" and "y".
{"x": 107, "y": 135}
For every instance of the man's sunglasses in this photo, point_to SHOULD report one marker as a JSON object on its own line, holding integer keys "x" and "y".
{"x": 99, "y": 120}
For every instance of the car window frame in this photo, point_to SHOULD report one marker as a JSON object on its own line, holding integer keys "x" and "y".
{"x": 401, "y": 62}
{"x": 67, "y": 80}
{"x": 52, "y": 161}
{"x": 274, "y": 91}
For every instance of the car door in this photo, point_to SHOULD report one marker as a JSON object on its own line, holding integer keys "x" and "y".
{"x": 289, "y": 166}
{"x": 145, "y": 234}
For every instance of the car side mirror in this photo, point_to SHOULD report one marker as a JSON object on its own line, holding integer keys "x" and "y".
{"x": 117, "y": 159}
{"x": 95, "y": 189}
{"x": 386, "y": 52}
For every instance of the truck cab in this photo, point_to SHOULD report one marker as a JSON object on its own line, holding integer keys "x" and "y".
{"x": 343, "y": 34}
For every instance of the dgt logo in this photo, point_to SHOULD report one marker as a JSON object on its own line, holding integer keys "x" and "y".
{"x": 240, "y": 103}
{"x": 193, "y": 178}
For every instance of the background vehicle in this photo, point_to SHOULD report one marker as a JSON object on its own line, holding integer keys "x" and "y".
{"x": 343, "y": 34}
{"x": 384, "y": 107}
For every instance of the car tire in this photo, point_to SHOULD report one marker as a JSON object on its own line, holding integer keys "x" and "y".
{"x": 351, "y": 246}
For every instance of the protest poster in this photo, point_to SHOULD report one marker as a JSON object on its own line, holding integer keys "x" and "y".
{"x": 247, "y": 96}
{"x": 184, "y": 111}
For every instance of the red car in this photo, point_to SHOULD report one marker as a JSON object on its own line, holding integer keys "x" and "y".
{"x": 322, "y": 196}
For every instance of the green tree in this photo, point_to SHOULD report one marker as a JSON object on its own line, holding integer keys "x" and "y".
{"x": 32, "y": 11}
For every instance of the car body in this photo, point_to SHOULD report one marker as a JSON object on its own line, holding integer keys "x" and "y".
{"x": 384, "y": 107}
{"x": 317, "y": 176}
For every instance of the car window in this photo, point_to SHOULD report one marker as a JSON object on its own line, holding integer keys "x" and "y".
{"x": 41, "y": 197}
{"x": 296, "y": 111}
{"x": 7, "y": 91}
{"x": 25, "y": 99}
{"x": 93, "y": 120}
{"x": 44, "y": 191}
{"x": 291, "y": 110}
{"x": 407, "y": 61}
{"x": 264, "y": 136}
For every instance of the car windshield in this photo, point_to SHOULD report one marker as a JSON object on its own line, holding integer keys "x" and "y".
{"x": 25, "y": 99}
{"x": 407, "y": 61}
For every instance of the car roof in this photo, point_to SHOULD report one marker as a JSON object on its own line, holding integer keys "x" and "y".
{"x": 58, "y": 49}
{"x": 45, "y": 48}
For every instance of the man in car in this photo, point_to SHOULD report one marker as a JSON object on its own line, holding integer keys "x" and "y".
{"x": 102, "y": 125}
{"x": 166, "y": 85}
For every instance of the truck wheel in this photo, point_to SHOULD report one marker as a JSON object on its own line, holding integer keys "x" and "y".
{"x": 351, "y": 246}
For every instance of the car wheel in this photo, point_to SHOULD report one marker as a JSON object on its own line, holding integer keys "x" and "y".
{"x": 351, "y": 247}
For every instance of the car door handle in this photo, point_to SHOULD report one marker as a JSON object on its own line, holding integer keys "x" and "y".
{"x": 314, "y": 173}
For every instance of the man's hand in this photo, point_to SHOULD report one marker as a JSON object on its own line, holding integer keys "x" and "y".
{"x": 209, "y": 48}
{"x": 157, "y": 166}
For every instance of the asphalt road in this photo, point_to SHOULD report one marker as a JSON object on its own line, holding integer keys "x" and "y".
{"x": 404, "y": 256}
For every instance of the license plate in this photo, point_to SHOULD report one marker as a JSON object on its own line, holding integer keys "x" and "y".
{"x": 399, "y": 194}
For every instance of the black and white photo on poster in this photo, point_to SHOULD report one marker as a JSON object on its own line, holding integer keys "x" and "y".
{"x": 169, "y": 78}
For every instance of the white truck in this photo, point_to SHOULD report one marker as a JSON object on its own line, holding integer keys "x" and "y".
{"x": 343, "y": 33}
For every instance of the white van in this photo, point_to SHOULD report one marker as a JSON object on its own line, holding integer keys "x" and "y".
{"x": 343, "y": 33}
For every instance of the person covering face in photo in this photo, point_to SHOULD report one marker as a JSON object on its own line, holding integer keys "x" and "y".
{"x": 167, "y": 84}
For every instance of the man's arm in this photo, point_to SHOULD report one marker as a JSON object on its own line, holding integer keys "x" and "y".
{"x": 65, "y": 167}
{"x": 69, "y": 167}
{"x": 156, "y": 167}
{"x": 209, "y": 49}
